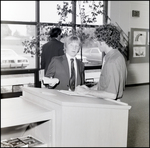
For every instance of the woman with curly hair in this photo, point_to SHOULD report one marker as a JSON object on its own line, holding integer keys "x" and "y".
{"x": 114, "y": 72}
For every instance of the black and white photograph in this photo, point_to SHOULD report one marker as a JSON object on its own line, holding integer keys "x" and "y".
{"x": 139, "y": 52}
{"x": 139, "y": 38}
{"x": 74, "y": 73}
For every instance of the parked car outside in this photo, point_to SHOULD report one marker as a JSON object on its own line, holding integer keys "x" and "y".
{"x": 10, "y": 59}
{"x": 94, "y": 55}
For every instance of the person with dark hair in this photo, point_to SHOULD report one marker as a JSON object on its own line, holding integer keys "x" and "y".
{"x": 52, "y": 48}
{"x": 114, "y": 71}
{"x": 55, "y": 33}
{"x": 67, "y": 68}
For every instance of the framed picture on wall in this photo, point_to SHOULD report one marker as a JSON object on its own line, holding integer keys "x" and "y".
{"x": 139, "y": 38}
{"x": 139, "y": 51}
{"x": 139, "y": 45}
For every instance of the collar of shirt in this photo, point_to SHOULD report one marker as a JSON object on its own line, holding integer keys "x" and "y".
{"x": 69, "y": 57}
{"x": 111, "y": 52}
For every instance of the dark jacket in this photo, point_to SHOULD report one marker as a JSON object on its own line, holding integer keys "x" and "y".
{"x": 49, "y": 50}
{"x": 59, "y": 68}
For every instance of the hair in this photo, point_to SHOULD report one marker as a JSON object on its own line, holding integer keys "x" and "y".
{"x": 55, "y": 32}
{"x": 71, "y": 38}
{"x": 108, "y": 33}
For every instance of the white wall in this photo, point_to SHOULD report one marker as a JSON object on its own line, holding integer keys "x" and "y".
{"x": 121, "y": 12}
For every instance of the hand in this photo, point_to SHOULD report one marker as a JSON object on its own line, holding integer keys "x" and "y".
{"x": 53, "y": 82}
{"x": 81, "y": 89}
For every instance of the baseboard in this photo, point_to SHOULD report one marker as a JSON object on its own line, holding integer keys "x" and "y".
{"x": 138, "y": 84}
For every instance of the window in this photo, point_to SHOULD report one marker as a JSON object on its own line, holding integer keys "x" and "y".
{"x": 16, "y": 26}
{"x": 20, "y": 23}
{"x": 18, "y": 10}
{"x": 12, "y": 37}
{"x": 48, "y": 11}
{"x": 13, "y": 83}
{"x": 89, "y": 47}
{"x": 88, "y": 11}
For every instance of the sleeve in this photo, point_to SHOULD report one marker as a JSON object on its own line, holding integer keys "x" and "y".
{"x": 113, "y": 79}
{"x": 51, "y": 68}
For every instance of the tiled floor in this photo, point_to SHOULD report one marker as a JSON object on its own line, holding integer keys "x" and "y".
{"x": 138, "y": 127}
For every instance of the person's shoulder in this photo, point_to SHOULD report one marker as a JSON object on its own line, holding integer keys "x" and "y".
{"x": 120, "y": 56}
{"x": 46, "y": 44}
{"x": 116, "y": 55}
{"x": 116, "y": 59}
{"x": 59, "y": 42}
{"x": 58, "y": 57}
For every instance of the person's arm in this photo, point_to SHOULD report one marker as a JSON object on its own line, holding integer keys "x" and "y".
{"x": 51, "y": 68}
{"x": 97, "y": 93}
{"x": 50, "y": 73}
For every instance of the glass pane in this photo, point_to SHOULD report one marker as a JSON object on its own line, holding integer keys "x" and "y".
{"x": 92, "y": 75}
{"x": 18, "y": 10}
{"x": 48, "y": 11}
{"x": 13, "y": 83}
{"x": 91, "y": 54}
{"x": 12, "y": 49}
{"x": 88, "y": 11}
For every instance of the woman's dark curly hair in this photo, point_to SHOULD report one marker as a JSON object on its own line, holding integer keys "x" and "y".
{"x": 108, "y": 33}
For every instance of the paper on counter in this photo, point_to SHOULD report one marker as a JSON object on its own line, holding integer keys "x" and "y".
{"x": 72, "y": 93}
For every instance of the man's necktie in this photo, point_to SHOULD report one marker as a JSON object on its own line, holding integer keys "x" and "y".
{"x": 72, "y": 78}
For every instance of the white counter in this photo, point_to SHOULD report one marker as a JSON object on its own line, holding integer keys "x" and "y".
{"x": 79, "y": 121}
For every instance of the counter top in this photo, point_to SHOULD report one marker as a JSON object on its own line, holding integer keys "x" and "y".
{"x": 60, "y": 98}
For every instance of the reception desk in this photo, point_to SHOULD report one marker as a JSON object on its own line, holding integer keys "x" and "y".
{"x": 79, "y": 121}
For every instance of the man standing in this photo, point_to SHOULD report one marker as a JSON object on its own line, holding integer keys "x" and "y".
{"x": 114, "y": 71}
{"x": 67, "y": 68}
{"x": 53, "y": 48}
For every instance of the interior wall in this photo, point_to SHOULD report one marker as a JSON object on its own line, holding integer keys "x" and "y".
{"x": 121, "y": 12}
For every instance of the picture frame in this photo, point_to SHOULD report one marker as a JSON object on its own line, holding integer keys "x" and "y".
{"x": 139, "y": 45}
{"x": 139, "y": 52}
{"x": 139, "y": 37}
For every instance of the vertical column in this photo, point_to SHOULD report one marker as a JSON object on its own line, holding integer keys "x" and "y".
{"x": 74, "y": 14}
{"x": 36, "y": 74}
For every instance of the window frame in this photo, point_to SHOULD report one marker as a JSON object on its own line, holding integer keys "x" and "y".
{"x": 35, "y": 70}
